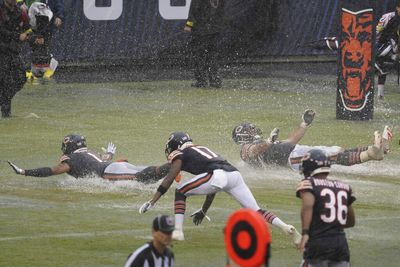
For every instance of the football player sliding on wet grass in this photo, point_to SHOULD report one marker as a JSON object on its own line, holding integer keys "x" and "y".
{"x": 78, "y": 161}
{"x": 213, "y": 174}
{"x": 258, "y": 152}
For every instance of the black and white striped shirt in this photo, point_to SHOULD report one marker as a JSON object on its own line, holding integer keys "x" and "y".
{"x": 148, "y": 256}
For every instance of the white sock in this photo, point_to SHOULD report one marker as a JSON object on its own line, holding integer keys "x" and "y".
{"x": 179, "y": 218}
{"x": 381, "y": 88}
{"x": 278, "y": 222}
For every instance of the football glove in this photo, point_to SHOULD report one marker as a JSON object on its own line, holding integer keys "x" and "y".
{"x": 145, "y": 207}
{"x": 17, "y": 169}
{"x": 308, "y": 117}
{"x": 111, "y": 148}
{"x": 273, "y": 136}
{"x": 198, "y": 216}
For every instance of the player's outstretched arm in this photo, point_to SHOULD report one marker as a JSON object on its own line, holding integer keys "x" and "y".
{"x": 41, "y": 172}
{"x": 109, "y": 152}
{"x": 273, "y": 136}
{"x": 298, "y": 133}
{"x": 174, "y": 170}
{"x": 251, "y": 152}
{"x": 200, "y": 214}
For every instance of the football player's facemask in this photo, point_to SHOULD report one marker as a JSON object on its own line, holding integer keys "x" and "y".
{"x": 315, "y": 161}
{"x": 246, "y": 133}
{"x": 72, "y": 142}
{"x": 175, "y": 141}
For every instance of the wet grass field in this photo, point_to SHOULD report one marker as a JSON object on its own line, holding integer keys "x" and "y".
{"x": 60, "y": 221}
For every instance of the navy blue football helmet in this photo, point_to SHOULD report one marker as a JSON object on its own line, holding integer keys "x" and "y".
{"x": 175, "y": 141}
{"x": 72, "y": 142}
{"x": 245, "y": 133}
{"x": 315, "y": 161}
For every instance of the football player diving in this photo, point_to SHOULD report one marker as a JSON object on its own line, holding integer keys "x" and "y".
{"x": 78, "y": 161}
{"x": 213, "y": 174}
{"x": 258, "y": 152}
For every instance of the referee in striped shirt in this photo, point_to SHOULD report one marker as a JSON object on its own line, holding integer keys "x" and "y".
{"x": 156, "y": 252}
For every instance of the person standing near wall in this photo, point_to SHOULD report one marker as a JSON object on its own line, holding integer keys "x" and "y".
{"x": 387, "y": 36}
{"x": 57, "y": 7}
{"x": 204, "y": 24}
{"x": 13, "y": 23}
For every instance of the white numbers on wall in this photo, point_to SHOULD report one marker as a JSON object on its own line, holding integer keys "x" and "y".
{"x": 94, "y": 12}
{"x": 113, "y": 12}
{"x": 173, "y": 12}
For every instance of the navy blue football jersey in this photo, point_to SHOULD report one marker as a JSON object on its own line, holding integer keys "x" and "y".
{"x": 327, "y": 237}
{"x": 276, "y": 154}
{"x": 200, "y": 159}
{"x": 332, "y": 199}
{"x": 84, "y": 163}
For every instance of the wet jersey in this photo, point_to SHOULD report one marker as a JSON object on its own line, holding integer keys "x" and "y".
{"x": 275, "y": 154}
{"x": 332, "y": 200}
{"x": 200, "y": 159}
{"x": 83, "y": 162}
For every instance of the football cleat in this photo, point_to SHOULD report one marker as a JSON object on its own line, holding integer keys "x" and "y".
{"x": 178, "y": 235}
{"x": 48, "y": 74}
{"x": 374, "y": 152}
{"x": 293, "y": 233}
{"x": 387, "y": 137}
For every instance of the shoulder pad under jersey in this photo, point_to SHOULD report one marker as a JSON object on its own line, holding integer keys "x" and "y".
{"x": 173, "y": 155}
{"x": 64, "y": 158}
{"x": 304, "y": 185}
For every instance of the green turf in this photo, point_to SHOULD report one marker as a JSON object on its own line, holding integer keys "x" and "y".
{"x": 59, "y": 221}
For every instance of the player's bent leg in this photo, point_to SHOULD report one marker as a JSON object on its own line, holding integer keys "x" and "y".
{"x": 199, "y": 185}
{"x": 180, "y": 209}
{"x": 381, "y": 85}
{"x": 241, "y": 192}
{"x": 123, "y": 171}
{"x": 349, "y": 157}
{"x": 286, "y": 228}
{"x": 374, "y": 152}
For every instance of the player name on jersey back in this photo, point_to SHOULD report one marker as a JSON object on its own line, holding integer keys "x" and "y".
{"x": 333, "y": 184}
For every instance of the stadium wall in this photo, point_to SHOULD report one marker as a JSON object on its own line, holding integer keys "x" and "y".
{"x": 138, "y": 31}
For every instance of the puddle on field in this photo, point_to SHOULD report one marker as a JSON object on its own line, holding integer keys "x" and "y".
{"x": 7, "y": 201}
{"x": 364, "y": 179}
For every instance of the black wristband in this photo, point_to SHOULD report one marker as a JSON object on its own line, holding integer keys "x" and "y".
{"x": 39, "y": 172}
{"x": 305, "y": 232}
{"x": 162, "y": 189}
